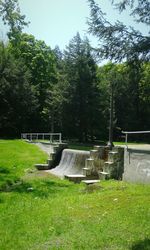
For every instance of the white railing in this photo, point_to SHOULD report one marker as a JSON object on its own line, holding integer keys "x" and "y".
{"x": 52, "y": 137}
{"x": 133, "y": 132}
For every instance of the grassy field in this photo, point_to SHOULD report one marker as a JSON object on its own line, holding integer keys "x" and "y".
{"x": 16, "y": 158}
{"x": 40, "y": 212}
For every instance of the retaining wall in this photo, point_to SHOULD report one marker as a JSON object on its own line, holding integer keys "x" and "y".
{"x": 136, "y": 165}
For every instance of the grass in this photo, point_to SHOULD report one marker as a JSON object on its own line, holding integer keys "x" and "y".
{"x": 78, "y": 146}
{"x": 129, "y": 143}
{"x": 17, "y": 157}
{"x": 41, "y": 212}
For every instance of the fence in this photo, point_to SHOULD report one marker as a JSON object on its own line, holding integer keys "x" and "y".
{"x": 133, "y": 132}
{"x": 52, "y": 137}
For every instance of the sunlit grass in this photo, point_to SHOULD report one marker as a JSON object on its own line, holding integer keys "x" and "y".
{"x": 17, "y": 157}
{"x": 41, "y": 212}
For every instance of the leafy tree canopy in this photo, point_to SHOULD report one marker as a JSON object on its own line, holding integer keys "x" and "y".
{"x": 17, "y": 95}
{"x": 117, "y": 41}
{"x": 11, "y": 16}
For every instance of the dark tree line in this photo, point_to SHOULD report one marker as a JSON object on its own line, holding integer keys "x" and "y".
{"x": 45, "y": 90}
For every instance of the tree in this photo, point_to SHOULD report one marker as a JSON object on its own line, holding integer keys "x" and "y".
{"x": 108, "y": 78}
{"x": 17, "y": 96}
{"x": 117, "y": 41}
{"x": 11, "y": 16}
{"x": 39, "y": 59}
{"x": 41, "y": 62}
{"x": 81, "y": 109}
{"x": 144, "y": 96}
{"x": 56, "y": 96}
{"x": 131, "y": 93}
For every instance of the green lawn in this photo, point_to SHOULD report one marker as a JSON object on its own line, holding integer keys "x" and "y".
{"x": 41, "y": 212}
{"x": 16, "y": 158}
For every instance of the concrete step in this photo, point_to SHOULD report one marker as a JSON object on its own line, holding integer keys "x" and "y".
{"x": 108, "y": 166}
{"x": 49, "y": 162}
{"x": 89, "y": 163}
{"x": 55, "y": 148}
{"x": 112, "y": 156}
{"x": 103, "y": 175}
{"x": 97, "y": 147}
{"x": 52, "y": 155}
{"x": 88, "y": 182}
{"x": 109, "y": 162}
{"x": 113, "y": 152}
{"x": 102, "y": 152}
{"x": 77, "y": 178}
{"x": 94, "y": 153}
{"x": 87, "y": 171}
{"x": 41, "y": 166}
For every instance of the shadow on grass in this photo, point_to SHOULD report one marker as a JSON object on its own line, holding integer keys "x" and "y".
{"x": 4, "y": 170}
{"x": 141, "y": 245}
{"x": 1, "y": 200}
{"x": 41, "y": 189}
{"x": 7, "y": 179}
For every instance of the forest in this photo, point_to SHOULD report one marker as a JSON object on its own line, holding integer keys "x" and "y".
{"x": 49, "y": 90}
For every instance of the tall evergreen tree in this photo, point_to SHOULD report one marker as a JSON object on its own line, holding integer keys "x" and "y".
{"x": 12, "y": 17}
{"x": 118, "y": 41}
{"x": 81, "y": 109}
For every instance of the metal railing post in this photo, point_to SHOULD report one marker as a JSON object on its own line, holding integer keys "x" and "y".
{"x": 31, "y": 136}
{"x": 133, "y": 132}
{"x": 126, "y": 140}
{"x": 60, "y": 138}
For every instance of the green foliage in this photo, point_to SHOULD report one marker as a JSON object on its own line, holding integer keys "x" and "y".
{"x": 139, "y": 9}
{"x": 56, "y": 95}
{"x": 127, "y": 80}
{"x": 30, "y": 77}
{"x": 82, "y": 95}
{"x": 117, "y": 41}
{"x": 49, "y": 90}
{"x": 144, "y": 95}
{"x": 11, "y": 16}
{"x": 39, "y": 59}
{"x": 17, "y": 99}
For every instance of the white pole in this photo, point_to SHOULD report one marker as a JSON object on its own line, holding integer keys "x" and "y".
{"x": 126, "y": 140}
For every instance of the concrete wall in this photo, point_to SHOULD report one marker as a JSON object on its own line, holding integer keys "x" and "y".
{"x": 137, "y": 166}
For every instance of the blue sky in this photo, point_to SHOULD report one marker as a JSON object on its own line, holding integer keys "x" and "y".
{"x": 57, "y": 21}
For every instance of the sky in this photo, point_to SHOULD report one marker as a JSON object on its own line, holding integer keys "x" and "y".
{"x": 57, "y": 21}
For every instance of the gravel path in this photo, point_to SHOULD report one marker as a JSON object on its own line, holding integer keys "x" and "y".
{"x": 47, "y": 148}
